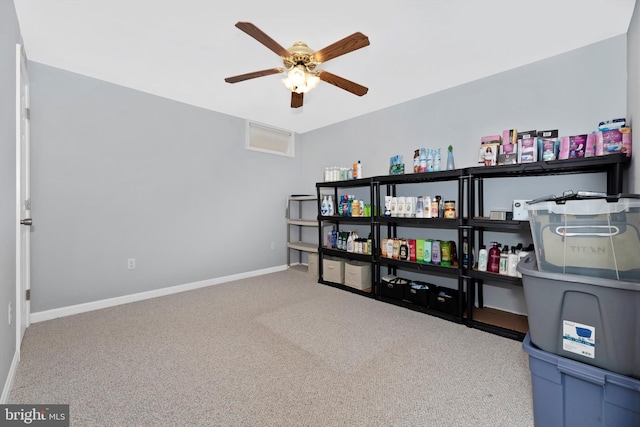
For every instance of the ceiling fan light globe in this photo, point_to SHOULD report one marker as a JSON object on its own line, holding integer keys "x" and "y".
{"x": 312, "y": 81}
{"x": 297, "y": 76}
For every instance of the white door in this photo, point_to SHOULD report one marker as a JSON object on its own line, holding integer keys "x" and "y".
{"x": 23, "y": 197}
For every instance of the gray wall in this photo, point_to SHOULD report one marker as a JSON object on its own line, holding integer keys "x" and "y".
{"x": 121, "y": 174}
{"x": 9, "y": 36}
{"x": 633, "y": 91}
{"x": 572, "y": 92}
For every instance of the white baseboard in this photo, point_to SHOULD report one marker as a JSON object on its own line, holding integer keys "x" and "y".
{"x": 42, "y": 316}
{"x": 11, "y": 376}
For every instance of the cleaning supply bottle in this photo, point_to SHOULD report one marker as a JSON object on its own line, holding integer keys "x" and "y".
{"x": 330, "y": 208}
{"x": 359, "y": 169}
{"x": 324, "y": 207}
{"x": 503, "y": 268}
{"x": 350, "y": 242}
{"x": 493, "y": 265}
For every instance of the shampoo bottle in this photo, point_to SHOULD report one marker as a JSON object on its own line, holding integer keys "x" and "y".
{"x": 483, "y": 257}
{"x": 435, "y": 252}
{"x": 493, "y": 265}
{"x": 404, "y": 250}
{"x": 503, "y": 268}
{"x": 513, "y": 263}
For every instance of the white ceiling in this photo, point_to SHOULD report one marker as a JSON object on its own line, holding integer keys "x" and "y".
{"x": 183, "y": 49}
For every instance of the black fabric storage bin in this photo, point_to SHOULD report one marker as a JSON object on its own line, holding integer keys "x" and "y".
{"x": 445, "y": 300}
{"x": 393, "y": 287}
{"x": 418, "y": 292}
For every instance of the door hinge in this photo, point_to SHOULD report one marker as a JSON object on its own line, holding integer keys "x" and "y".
{"x": 28, "y": 295}
{"x": 27, "y": 113}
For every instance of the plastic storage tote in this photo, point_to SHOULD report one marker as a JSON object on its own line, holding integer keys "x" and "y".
{"x": 567, "y": 393}
{"x": 592, "y": 320}
{"x": 588, "y": 234}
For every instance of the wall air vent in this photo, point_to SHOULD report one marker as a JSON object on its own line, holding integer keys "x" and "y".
{"x": 270, "y": 140}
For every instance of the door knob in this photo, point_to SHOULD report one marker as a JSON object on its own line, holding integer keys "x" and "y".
{"x": 26, "y": 221}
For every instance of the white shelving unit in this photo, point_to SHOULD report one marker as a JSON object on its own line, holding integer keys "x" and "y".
{"x": 302, "y": 212}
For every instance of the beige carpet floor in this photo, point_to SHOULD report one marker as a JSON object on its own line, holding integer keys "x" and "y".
{"x": 276, "y": 350}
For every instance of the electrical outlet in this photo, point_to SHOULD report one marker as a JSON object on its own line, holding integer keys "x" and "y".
{"x": 10, "y": 311}
{"x": 273, "y": 245}
{"x": 131, "y": 263}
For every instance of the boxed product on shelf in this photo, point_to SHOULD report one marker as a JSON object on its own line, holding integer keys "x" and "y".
{"x": 445, "y": 300}
{"x": 488, "y": 154}
{"x": 357, "y": 274}
{"x": 548, "y": 145}
{"x": 581, "y": 233}
{"x": 573, "y": 147}
{"x": 592, "y": 320}
{"x": 418, "y": 292}
{"x": 393, "y": 287}
{"x": 333, "y": 270}
{"x": 613, "y": 141}
{"x": 572, "y": 394}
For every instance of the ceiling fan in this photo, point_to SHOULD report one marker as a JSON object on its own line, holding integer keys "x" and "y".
{"x": 300, "y": 63}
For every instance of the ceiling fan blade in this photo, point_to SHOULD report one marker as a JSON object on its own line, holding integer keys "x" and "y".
{"x": 348, "y": 44}
{"x": 263, "y": 38}
{"x": 342, "y": 83}
{"x": 242, "y": 77}
{"x": 296, "y": 99}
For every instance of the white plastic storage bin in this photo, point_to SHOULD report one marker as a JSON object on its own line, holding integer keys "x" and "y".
{"x": 592, "y": 320}
{"x": 333, "y": 270}
{"x": 587, "y": 234}
{"x": 567, "y": 393}
{"x": 357, "y": 275}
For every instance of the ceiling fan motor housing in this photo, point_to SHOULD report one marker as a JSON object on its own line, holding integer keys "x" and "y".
{"x": 301, "y": 54}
